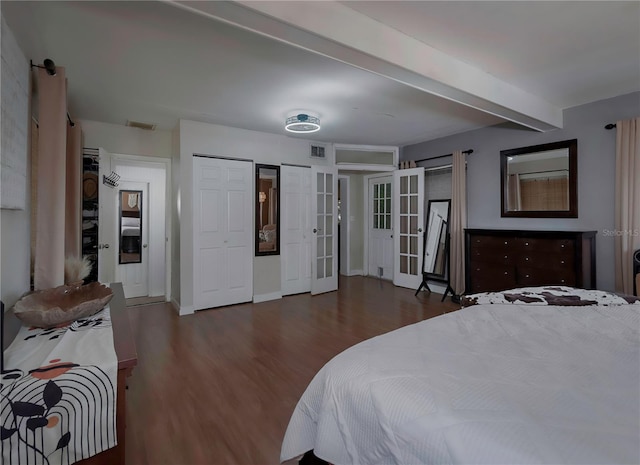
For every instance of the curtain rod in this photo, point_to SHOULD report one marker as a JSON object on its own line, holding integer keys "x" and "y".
{"x": 610, "y": 126}
{"x": 466, "y": 152}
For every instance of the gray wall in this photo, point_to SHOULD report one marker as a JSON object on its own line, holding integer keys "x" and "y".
{"x": 596, "y": 171}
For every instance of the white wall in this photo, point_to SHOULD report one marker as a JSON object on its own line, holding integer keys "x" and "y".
{"x": 223, "y": 141}
{"x": 116, "y": 138}
{"x": 175, "y": 217}
{"x": 15, "y": 232}
{"x": 596, "y": 172}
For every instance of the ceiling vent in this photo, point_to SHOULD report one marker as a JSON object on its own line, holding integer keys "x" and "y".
{"x": 317, "y": 151}
{"x": 139, "y": 125}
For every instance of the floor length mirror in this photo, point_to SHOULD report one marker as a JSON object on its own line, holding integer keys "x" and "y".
{"x": 435, "y": 263}
{"x": 130, "y": 227}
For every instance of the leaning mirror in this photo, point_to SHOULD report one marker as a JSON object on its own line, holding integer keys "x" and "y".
{"x": 435, "y": 265}
{"x": 540, "y": 181}
{"x": 130, "y": 249}
{"x": 267, "y": 204}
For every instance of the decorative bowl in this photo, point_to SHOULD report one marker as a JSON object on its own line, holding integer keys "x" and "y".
{"x": 63, "y": 304}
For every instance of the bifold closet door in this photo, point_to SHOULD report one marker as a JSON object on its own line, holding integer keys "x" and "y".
{"x": 222, "y": 232}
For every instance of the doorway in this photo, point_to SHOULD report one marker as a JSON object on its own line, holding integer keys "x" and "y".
{"x": 379, "y": 227}
{"x": 149, "y": 176}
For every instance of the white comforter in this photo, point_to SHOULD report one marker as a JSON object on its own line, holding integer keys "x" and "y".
{"x": 493, "y": 384}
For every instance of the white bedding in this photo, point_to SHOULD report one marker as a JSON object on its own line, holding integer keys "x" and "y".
{"x": 493, "y": 384}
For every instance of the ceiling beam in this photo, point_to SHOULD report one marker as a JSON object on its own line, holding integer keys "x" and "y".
{"x": 338, "y": 32}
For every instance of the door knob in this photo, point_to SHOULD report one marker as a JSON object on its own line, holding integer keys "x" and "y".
{"x": 144, "y": 246}
{"x": 316, "y": 230}
{"x": 419, "y": 229}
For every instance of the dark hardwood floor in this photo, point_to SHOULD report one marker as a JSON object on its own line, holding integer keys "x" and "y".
{"x": 219, "y": 386}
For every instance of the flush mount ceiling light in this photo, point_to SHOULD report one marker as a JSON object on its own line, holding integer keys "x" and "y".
{"x": 302, "y": 123}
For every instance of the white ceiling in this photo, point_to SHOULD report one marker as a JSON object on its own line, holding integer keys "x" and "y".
{"x": 249, "y": 64}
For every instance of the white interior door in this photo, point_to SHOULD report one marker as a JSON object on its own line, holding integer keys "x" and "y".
{"x": 133, "y": 274}
{"x": 107, "y": 222}
{"x": 295, "y": 240}
{"x": 408, "y": 205}
{"x": 324, "y": 205}
{"x": 223, "y": 232}
{"x": 380, "y": 229}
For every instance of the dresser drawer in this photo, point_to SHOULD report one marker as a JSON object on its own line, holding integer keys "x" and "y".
{"x": 549, "y": 260}
{"x": 479, "y": 255}
{"x": 545, "y": 277}
{"x": 479, "y": 242}
{"x": 539, "y": 245}
{"x": 491, "y": 277}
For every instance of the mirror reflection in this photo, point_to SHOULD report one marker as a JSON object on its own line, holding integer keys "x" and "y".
{"x": 130, "y": 250}
{"x": 267, "y": 207}
{"x": 539, "y": 181}
{"x": 435, "y": 243}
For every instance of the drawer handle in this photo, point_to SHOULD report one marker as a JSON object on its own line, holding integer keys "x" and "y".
{"x": 562, "y": 262}
{"x": 477, "y": 269}
{"x": 506, "y": 272}
{"x": 526, "y": 276}
{"x": 526, "y": 243}
{"x": 562, "y": 280}
{"x": 526, "y": 259}
{"x": 506, "y": 242}
{"x": 562, "y": 246}
{"x": 506, "y": 256}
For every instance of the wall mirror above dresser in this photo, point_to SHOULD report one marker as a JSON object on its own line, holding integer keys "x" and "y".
{"x": 540, "y": 181}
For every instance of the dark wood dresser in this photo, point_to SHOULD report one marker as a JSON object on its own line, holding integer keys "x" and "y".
{"x": 499, "y": 259}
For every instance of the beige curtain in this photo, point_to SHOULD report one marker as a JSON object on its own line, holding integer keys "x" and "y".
{"x": 56, "y": 183}
{"x": 513, "y": 193}
{"x": 52, "y": 153}
{"x": 627, "y": 206}
{"x": 458, "y": 222}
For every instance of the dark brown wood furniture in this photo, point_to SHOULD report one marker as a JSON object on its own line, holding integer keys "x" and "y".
{"x": 127, "y": 359}
{"x": 499, "y": 259}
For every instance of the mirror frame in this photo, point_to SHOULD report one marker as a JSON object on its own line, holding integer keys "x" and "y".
{"x": 444, "y": 277}
{"x": 572, "y": 212}
{"x": 120, "y": 216}
{"x": 257, "y": 228}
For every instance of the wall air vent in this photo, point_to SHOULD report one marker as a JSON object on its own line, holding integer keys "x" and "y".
{"x": 139, "y": 125}
{"x": 317, "y": 151}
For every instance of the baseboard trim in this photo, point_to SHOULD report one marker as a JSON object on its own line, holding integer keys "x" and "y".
{"x": 355, "y": 273}
{"x": 184, "y": 309}
{"x": 266, "y": 297}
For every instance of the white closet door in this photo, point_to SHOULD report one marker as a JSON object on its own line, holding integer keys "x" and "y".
{"x": 324, "y": 207}
{"x": 223, "y": 233}
{"x": 408, "y": 207}
{"x": 295, "y": 239}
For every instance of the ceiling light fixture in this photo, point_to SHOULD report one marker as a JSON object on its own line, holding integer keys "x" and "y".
{"x": 302, "y": 123}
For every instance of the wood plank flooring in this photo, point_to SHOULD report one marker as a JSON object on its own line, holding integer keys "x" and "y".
{"x": 219, "y": 386}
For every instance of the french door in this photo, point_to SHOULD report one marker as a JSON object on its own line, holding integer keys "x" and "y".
{"x": 380, "y": 228}
{"x": 408, "y": 205}
{"x": 324, "y": 250}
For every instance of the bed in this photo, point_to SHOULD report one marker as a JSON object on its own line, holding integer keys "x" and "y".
{"x": 491, "y": 383}
{"x": 130, "y": 232}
